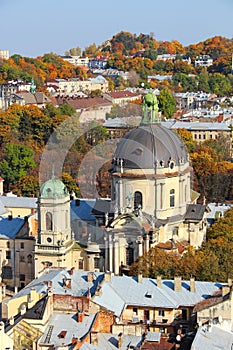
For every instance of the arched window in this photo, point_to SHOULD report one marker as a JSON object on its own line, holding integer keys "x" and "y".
{"x": 29, "y": 259}
{"x": 49, "y": 221}
{"x": 137, "y": 199}
{"x": 172, "y": 198}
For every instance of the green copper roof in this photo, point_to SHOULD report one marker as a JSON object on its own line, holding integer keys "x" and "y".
{"x": 53, "y": 188}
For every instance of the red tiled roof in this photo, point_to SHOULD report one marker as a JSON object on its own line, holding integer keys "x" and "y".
{"x": 122, "y": 94}
{"x": 214, "y": 299}
{"x": 164, "y": 344}
{"x": 179, "y": 246}
{"x": 83, "y": 103}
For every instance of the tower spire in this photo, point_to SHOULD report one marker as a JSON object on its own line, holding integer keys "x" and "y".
{"x": 53, "y": 176}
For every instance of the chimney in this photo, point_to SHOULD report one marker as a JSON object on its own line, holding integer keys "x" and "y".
{"x": 229, "y": 281}
{"x": 192, "y": 285}
{"x": 94, "y": 338}
{"x": 120, "y": 340}
{"x": 108, "y": 276}
{"x": 140, "y": 277}
{"x": 159, "y": 281}
{"x": 225, "y": 290}
{"x": 72, "y": 270}
{"x": 80, "y": 316}
{"x": 177, "y": 283}
{"x": 66, "y": 282}
{"x": 90, "y": 277}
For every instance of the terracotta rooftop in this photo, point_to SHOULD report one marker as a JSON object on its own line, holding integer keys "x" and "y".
{"x": 122, "y": 94}
{"x": 180, "y": 247}
{"x": 83, "y": 103}
{"x": 214, "y": 299}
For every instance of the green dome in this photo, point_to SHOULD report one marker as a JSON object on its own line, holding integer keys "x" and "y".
{"x": 53, "y": 188}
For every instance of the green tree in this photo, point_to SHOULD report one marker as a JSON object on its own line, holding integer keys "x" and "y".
{"x": 67, "y": 109}
{"x": 167, "y": 103}
{"x": 18, "y": 160}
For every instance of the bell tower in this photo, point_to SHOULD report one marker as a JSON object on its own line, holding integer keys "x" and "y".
{"x": 55, "y": 239}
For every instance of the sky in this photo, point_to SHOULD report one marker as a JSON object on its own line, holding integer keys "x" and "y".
{"x": 32, "y": 28}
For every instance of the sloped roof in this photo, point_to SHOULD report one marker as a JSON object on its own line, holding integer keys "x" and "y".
{"x": 195, "y": 212}
{"x": 83, "y": 103}
{"x": 68, "y": 325}
{"x": 216, "y": 339}
{"x": 79, "y": 283}
{"x": 81, "y": 209}
{"x": 10, "y": 227}
{"x": 131, "y": 292}
{"x": 19, "y": 202}
{"x": 122, "y": 94}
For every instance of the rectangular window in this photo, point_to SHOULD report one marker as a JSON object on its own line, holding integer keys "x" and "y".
{"x": 161, "y": 313}
{"x": 80, "y": 264}
{"x": 96, "y": 263}
{"x": 22, "y": 258}
{"x": 22, "y": 277}
{"x": 135, "y": 310}
{"x": 8, "y": 254}
{"x": 21, "y": 245}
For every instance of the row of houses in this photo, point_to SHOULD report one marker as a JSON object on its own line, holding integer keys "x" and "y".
{"x": 71, "y": 309}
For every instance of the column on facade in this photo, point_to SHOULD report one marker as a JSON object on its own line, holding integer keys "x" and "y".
{"x": 162, "y": 195}
{"x": 140, "y": 246}
{"x": 147, "y": 243}
{"x": 116, "y": 255}
{"x": 106, "y": 262}
{"x": 110, "y": 256}
{"x": 180, "y": 191}
{"x": 120, "y": 194}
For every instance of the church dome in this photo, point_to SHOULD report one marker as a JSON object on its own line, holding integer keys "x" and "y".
{"x": 53, "y": 188}
{"x": 151, "y": 145}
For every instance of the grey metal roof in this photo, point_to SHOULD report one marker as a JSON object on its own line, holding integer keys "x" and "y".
{"x": 192, "y": 126}
{"x": 79, "y": 283}
{"x": 110, "y": 341}
{"x": 68, "y": 323}
{"x": 215, "y": 339}
{"x": 195, "y": 212}
{"x": 124, "y": 290}
{"x": 146, "y": 145}
{"x": 19, "y": 202}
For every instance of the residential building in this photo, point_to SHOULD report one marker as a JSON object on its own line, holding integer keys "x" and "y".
{"x": 99, "y": 62}
{"x": 203, "y": 61}
{"x": 89, "y": 108}
{"x": 16, "y": 252}
{"x": 4, "y": 54}
{"x": 77, "y": 60}
{"x": 72, "y": 86}
{"x": 202, "y": 131}
{"x": 122, "y": 97}
{"x": 77, "y": 309}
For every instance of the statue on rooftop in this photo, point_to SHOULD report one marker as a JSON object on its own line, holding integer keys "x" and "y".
{"x": 150, "y": 109}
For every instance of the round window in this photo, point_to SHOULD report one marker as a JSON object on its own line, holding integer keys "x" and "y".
{"x": 49, "y": 240}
